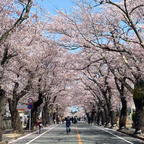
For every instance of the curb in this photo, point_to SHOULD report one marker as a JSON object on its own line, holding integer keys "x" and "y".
{"x": 22, "y": 136}
{"x": 133, "y": 135}
{"x": 4, "y": 142}
{"x": 25, "y": 135}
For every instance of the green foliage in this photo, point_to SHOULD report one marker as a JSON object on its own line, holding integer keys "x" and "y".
{"x": 134, "y": 116}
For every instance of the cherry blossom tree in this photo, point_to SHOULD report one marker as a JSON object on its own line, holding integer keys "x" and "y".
{"x": 108, "y": 28}
{"x": 8, "y": 27}
{"x": 107, "y": 63}
{"x": 132, "y": 16}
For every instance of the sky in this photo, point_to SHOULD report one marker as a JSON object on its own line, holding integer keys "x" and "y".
{"x": 53, "y": 5}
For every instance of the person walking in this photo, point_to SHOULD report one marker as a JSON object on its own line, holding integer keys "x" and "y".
{"x": 68, "y": 123}
{"x": 39, "y": 125}
{"x": 75, "y": 120}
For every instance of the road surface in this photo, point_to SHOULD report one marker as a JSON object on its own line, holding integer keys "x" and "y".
{"x": 81, "y": 133}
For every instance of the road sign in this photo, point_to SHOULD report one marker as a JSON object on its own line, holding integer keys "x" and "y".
{"x": 30, "y": 100}
{"x": 30, "y": 106}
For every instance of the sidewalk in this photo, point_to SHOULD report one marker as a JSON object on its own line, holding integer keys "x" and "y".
{"x": 9, "y": 135}
{"x": 129, "y": 131}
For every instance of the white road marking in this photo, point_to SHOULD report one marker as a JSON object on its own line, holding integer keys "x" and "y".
{"x": 15, "y": 140}
{"x": 115, "y": 135}
{"x": 41, "y": 135}
{"x": 12, "y": 141}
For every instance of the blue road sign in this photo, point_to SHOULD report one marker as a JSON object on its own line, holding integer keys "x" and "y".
{"x": 30, "y": 106}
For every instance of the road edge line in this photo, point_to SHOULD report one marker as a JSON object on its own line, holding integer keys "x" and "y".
{"x": 41, "y": 135}
{"x": 20, "y": 138}
{"x": 115, "y": 135}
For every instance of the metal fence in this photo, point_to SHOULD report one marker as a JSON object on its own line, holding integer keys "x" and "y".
{"x": 6, "y": 123}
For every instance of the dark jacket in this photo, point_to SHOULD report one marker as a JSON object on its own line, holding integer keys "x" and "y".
{"x": 68, "y": 123}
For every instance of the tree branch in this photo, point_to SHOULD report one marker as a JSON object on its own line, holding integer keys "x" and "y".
{"x": 23, "y": 16}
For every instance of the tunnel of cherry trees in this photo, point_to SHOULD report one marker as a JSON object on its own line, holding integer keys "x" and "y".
{"x": 91, "y": 58}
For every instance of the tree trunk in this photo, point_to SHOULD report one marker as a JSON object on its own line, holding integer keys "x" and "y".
{"x": 106, "y": 117}
{"x": 123, "y": 113}
{"x": 98, "y": 117}
{"x": 15, "y": 118}
{"x": 45, "y": 115}
{"x": 110, "y": 117}
{"x": 34, "y": 115}
{"x": 36, "y": 110}
{"x": 93, "y": 114}
{"x": 102, "y": 115}
{"x": 46, "y": 118}
{"x": 3, "y": 101}
{"x": 139, "y": 125}
{"x": 54, "y": 117}
{"x": 113, "y": 118}
{"x": 139, "y": 104}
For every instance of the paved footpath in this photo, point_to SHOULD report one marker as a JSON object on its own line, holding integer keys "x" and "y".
{"x": 80, "y": 134}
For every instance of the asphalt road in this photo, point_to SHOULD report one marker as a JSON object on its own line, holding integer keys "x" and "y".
{"x": 80, "y": 134}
